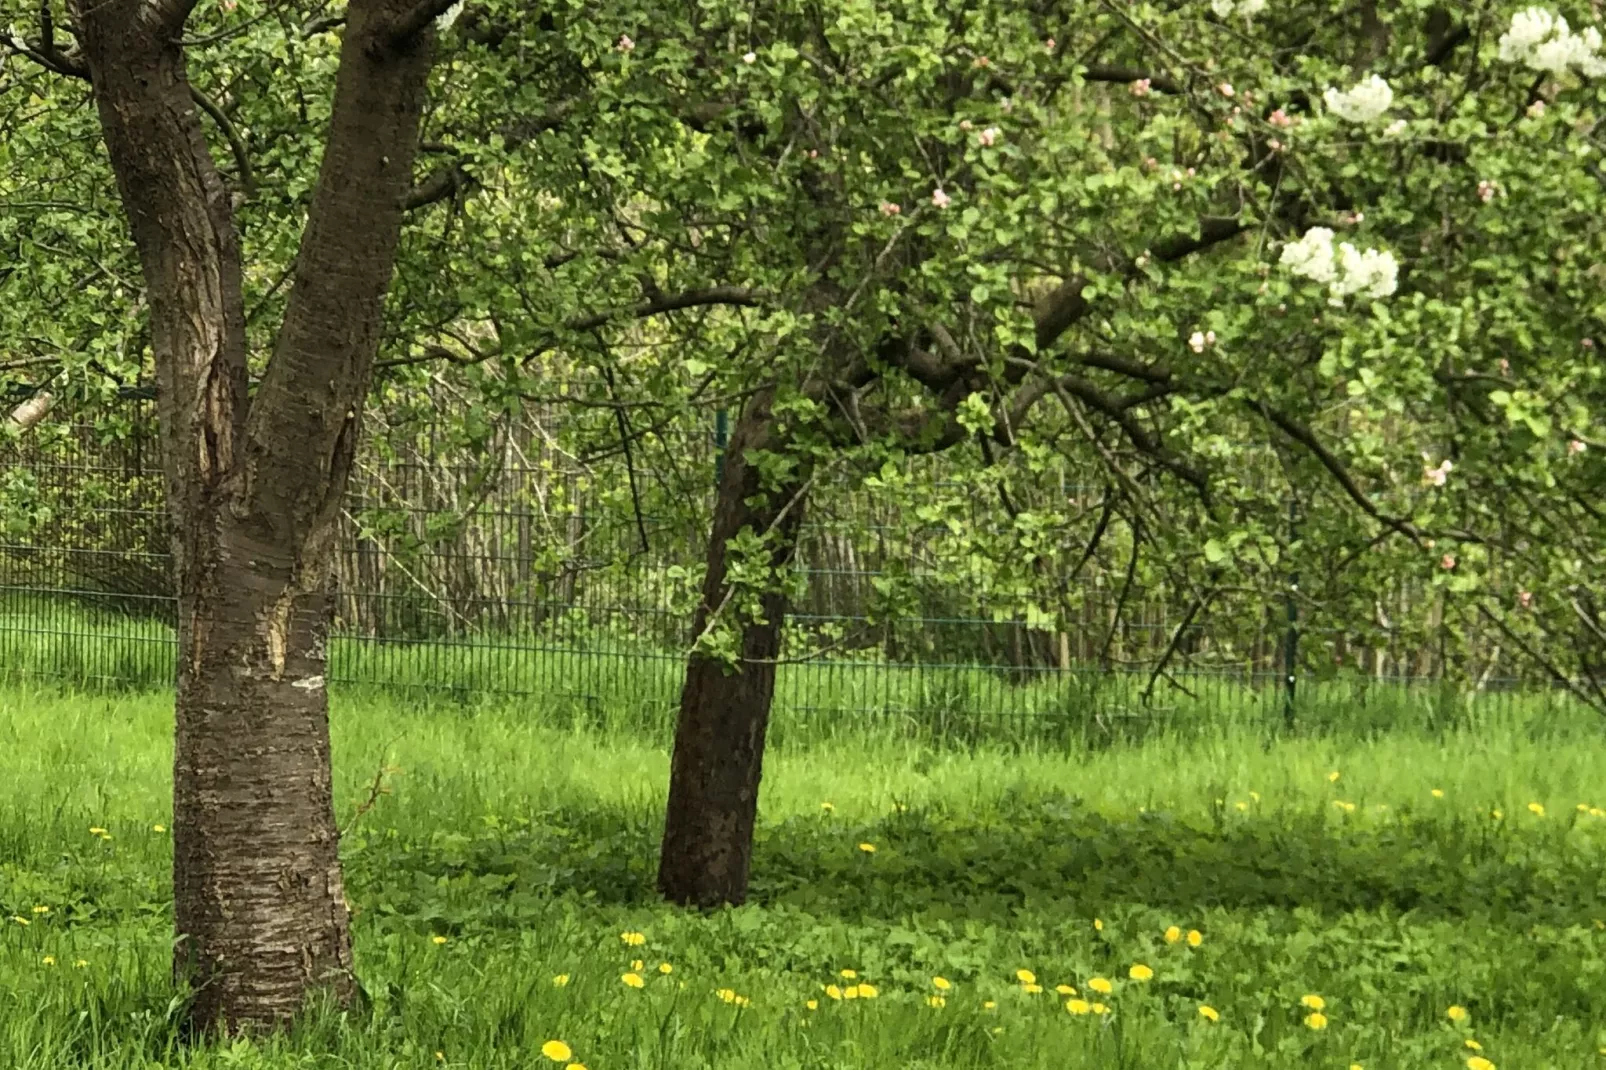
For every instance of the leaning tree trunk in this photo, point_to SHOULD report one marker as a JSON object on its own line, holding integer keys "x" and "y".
{"x": 254, "y": 487}
{"x": 719, "y": 739}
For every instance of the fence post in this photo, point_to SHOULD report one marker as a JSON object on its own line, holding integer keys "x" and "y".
{"x": 1291, "y": 641}
{"x": 721, "y": 426}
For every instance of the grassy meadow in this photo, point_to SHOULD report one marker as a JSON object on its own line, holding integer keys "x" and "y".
{"x": 1398, "y": 897}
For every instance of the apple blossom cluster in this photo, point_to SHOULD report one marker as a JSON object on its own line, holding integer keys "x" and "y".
{"x": 1344, "y": 269}
{"x": 1362, "y": 102}
{"x": 1226, "y": 9}
{"x": 1543, "y": 41}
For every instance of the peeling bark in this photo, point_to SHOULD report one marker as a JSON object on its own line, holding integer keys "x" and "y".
{"x": 254, "y": 488}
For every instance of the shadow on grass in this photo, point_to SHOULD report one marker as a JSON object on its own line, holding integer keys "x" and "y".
{"x": 1044, "y": 856}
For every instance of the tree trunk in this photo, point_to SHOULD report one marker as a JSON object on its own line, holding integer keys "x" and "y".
{"x": 719, "y": 739}
{"x": 254, "y": 487}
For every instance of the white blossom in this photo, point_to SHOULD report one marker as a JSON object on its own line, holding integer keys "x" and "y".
{"x": 1436, "y": 477}
{"x": 1312, "y": 257}
{"x": 1362, "y": 102}
{"x": 1344, "y": 270}
{"x": 449, "y": 16}
{"x": 1542, "y": 41}
{"x": 1248, "y": 9}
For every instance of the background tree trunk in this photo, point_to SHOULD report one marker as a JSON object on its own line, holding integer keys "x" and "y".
{"x": 719, "y": 739}
{"x": 254, "y": 487}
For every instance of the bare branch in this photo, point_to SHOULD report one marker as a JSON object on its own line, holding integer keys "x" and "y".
{"x": 242, "y": 158}
{"x": 1160, "y": 83}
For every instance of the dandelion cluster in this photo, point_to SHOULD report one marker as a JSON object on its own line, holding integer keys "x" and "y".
{"x": 1542, "y": 41}
{"x": 1343, "y": 269}
{"x": 1362, "y": 102}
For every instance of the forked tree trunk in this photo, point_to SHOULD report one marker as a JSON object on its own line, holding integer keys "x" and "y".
{"x": 719, "y": 739}
{"x": 254, "y": 487}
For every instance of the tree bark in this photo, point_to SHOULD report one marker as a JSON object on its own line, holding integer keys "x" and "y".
{"x": 719, "y": 738}
{"x": 254, "y": 487}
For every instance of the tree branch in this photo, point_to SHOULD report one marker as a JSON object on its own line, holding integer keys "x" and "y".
{"x": 1160, "y": 83}
{"x": 242, "y": 158}
{"x": 415, "y": 20}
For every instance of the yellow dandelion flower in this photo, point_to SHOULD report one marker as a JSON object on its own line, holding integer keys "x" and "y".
{"x": 1537, "y": 809}
{"x": 1242, "y": 806}
{"x": 80, "y": 963}
{"x": 1098, "y": 926}
{"x": 1356, "y": 1066}
{"x": 1582, "y": 808}
{"x": 1078, "y": 1006}
{"x": 741, "y": 1001}
{"x": 868, "y": 991}
{"x": 440, "y": 1056}
{"x": 1140, "y": 972}
{"x": 727, "y": 994}
{"x": 1099, "y": 1008}
{"x": 988, "y": 1005}
{"x": 1332, "y": 778}
{"x": 851, "y": 992}
{"x": 158, "y": 828}
{"x": 1173, "y": 934}
{"x": 41, "y": 910}
{"x": 1473, "y": 1044}
{"x": 1314, "y": 1002}
{"x": 1437, "y": 793}
{"x": 1595, "y": 811}
{"x": 633, "y": 939}
{"x": 1100, "y": 985}
{"x": 849, "y": 974}
{"x": 1065, "y": 990}
{"x": 94, "y": 831}
{"x": 1255, "y": 795}
{"x": 1478, "y": 1062}
{"x": 812, "y": 1004}
{"x": 638, "y": 966}
{"x": 867, "y": 848}
{"x": 1497, "y": 813}
{"x": 1316, "y": 1020}
{"x": 664, "y": 967}
{"x": 560, "y": 980}
{"x": 1457, "y": 1013}
{"x": 1031, "y": 989}
{"x": 1195, "y": 937}
{"x": 19, "y": 919}
{"x": 557, "y": 1051}
{"x": 828, "y": 807}
{"x": 49, "y": 960}
{"x": 936, "y": 1001}
{"x": 575, "y": 1066}
{"x": 633, "y": 979}
{"x": 941, "y": 984}
{"x": 1347, "y": 807}
{"x": 1025, "y": 977}
{"x": 1209, "y": 1013}
{"x": 833, "y": 991}
{"x": 437, "y": 940}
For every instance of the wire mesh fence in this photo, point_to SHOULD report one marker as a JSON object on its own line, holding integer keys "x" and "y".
{"x": 529, "y": 559}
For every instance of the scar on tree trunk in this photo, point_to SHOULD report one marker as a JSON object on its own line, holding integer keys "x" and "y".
{"x": 719, "y": 738}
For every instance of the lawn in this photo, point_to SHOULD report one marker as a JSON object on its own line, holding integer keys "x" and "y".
{"x": 500, "y": 885}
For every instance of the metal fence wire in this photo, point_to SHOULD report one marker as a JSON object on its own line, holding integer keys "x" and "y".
{"x": 532, "y": 558}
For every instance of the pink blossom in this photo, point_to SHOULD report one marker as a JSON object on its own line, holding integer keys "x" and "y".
{"x": 1150, "y": 163}
{"x": 1536, "y": 109}
{"x": 890, "y": 209}
{"x": 1575, "y": 447}
{"x": 1447, "y": 562}
{"x": 1140, "y": 88}
{"x": 1436, "y": 477}
{"x": 1588, "y": 343}
{"x": 1525, "y": 599}
{"x": 625, "y": 43}
{"x": 1274, "y": 145}
{"x": 989, "y": 135}
{"x": 981, "y": 61}
{"x": 1505, "y": 366}
{"x": 1486, "y": 190}
{"x": 814, "y": 154}
{"x": 965, "y": 124}
{"x": 1225, "y": 89}
{"x": 1280, "y": 118}
{"x": 940, "y": 199}
{"x": 1048, "y": 45}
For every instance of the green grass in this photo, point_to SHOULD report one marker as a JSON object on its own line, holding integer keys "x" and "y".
{"x": 527, "y": 839}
